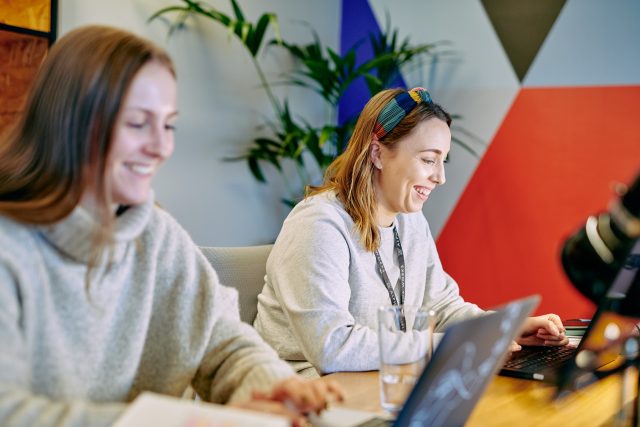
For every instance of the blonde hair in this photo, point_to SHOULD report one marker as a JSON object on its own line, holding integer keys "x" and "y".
{"x": 351, "y": 174}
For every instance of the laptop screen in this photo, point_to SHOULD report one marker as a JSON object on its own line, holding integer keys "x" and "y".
{"x": 465, "y": 361}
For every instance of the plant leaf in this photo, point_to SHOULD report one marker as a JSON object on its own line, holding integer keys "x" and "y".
{"x": 255, "y": 169}
{"x": 237, "y": 10}
{"x": 259, "y": 32}
{"x": 167, "y": 10}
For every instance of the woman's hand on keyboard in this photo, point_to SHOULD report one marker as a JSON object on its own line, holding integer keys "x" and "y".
{"x": 543, "y": 330}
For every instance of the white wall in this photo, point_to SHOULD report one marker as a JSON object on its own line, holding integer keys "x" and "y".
{"x": 220, "y": 104}
{"x": 475, "y": 80}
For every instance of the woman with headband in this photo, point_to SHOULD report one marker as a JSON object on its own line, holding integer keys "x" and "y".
{"x": 360, "y": 241}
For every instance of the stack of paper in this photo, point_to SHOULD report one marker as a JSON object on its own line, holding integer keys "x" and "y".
{"x": 575, "y": 329}
{"x": 163, "y": 411}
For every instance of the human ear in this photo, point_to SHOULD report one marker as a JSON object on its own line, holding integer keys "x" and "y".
{"x": 375, "y": 150}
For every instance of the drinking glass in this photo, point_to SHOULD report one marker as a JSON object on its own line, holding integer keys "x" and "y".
{"x": 405, "y": 335}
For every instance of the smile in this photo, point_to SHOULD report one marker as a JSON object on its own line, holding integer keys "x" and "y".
{"x": 140, "y": 169}
{"x": 423, "y": 192}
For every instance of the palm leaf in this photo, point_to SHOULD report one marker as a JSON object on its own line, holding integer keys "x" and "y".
{"x": 237, "y": 10}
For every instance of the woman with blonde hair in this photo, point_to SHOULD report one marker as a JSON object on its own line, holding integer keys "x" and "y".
{"x": 102, "y": 294}
{"x": 360, "y": 241}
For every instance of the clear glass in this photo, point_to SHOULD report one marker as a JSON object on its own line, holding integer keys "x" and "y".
{"x": 403, "y": 354}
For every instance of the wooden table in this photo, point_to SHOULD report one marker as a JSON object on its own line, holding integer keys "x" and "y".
{"x": 514, "y": 402}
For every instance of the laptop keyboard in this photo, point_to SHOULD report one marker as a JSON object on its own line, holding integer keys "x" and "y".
{"x": 538, "y": 358}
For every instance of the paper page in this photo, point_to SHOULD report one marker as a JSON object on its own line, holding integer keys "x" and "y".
{"x": 574, "y": 341}
{"x": 156, "y": 410}
{"x": 341, "y": 417}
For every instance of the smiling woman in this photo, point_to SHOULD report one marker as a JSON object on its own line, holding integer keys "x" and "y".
{"x": 143, "y": 134}
{"x": 412, "y": 169}
{"x": 360, "y": 241}
{"x": 103, "y": 294}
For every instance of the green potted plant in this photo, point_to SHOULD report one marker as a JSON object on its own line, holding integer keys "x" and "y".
{"x": 320, "y": 69}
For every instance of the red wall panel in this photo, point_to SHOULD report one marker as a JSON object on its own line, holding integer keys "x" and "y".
{"x": 550, "y": 165}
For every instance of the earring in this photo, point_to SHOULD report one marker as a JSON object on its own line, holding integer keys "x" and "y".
{"x": 378, "y": 165}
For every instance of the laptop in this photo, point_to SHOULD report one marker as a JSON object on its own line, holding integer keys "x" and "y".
{"x": 463, "y": 364}
{"x": 537, "y": 362}
{"x": 564, "y": 365}
{"x": 548, "y": 364}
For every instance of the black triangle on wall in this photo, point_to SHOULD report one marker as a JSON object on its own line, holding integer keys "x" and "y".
{"x": 522, "y": 26}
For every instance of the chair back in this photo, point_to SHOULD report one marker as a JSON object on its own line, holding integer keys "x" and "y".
{"x": 243, "y": 268}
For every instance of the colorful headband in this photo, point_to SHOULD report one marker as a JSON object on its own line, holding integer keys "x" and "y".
{"x": 398, "y": 108}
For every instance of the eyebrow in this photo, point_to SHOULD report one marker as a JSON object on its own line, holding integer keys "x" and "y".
{"x": 133, "y": 107}
{"x": 433, "y": 150}
{"x": 147, "y": 111}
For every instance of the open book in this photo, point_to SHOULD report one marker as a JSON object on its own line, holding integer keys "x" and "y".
{"x": 156, "y": 410}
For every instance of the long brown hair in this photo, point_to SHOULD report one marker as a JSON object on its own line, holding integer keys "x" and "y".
{"x": 351, "y": 174}
{"x": 62, "y": 141}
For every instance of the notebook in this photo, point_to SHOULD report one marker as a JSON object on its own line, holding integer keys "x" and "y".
{"x": 467, "y": 358}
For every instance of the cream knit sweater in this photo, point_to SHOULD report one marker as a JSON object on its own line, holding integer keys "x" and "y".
{"x": 156, "y": 319}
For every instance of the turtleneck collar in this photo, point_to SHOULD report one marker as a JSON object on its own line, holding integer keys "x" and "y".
{"x": 73, "y": 235}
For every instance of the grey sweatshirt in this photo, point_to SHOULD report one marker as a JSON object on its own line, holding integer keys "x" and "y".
{"x": 157, "y": 319}
{"x": 319, "y": 303}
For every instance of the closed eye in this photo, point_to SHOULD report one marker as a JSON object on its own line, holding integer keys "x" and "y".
{"x": 136, "y": 125}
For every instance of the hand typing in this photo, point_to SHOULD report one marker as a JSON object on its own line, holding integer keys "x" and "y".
{"x": 542, "y": 330}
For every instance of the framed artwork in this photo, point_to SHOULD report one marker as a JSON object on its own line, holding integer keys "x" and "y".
{"x": 27, "y": 29}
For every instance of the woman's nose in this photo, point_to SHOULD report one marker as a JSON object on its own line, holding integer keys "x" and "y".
{"x": 161, "y": 142}
{"x": 439, "y": 176}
